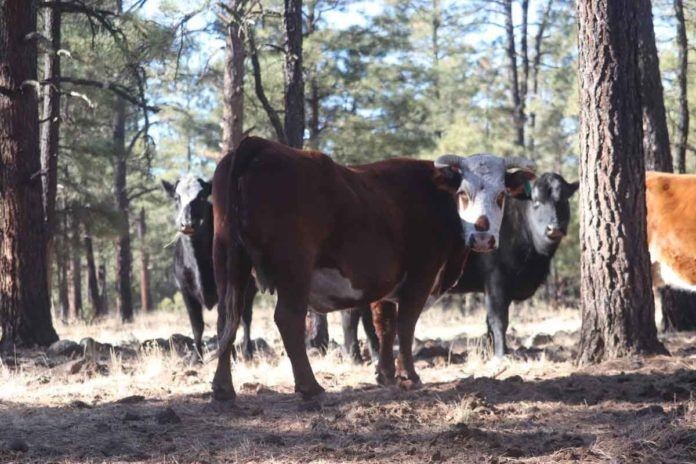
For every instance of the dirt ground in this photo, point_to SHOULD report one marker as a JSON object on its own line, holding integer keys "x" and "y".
{"x": 134, "y": 403}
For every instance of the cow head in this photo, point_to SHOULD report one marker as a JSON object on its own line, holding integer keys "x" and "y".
{"x": 548, "y": 212}
{"x": 481, "y": 184}
{"x": 192, "y": 205}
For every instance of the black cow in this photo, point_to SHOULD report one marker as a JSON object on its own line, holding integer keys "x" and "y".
{"x": 193, "y": 257}
{"x": 531, "y": 231}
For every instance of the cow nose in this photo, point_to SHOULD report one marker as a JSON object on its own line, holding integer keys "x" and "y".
{"x": 482, "y": 242}
{"x": 553, "y": 231}
{"x": 482, "y": 224}
{"x": 186, "y": 228}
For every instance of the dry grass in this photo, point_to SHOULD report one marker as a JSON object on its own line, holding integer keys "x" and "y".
{"x": 535, "y": 406}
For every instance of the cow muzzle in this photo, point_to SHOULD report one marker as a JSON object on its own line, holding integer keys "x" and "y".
{"x": 187, "y": 229}
{"x": 554, "y": 232}
{"x": 482, "y": 242}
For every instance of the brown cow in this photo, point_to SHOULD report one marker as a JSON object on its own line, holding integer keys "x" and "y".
{"x": 334, "y": 237}
{"x": 671, "y": 203}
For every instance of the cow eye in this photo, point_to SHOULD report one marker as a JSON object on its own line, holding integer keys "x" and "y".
{"x": 463, "y": 200}
{"x": 500, "y": 199}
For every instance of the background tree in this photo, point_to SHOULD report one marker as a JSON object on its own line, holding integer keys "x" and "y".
{"x": 25, "y": 309}
{"x": 617, "y": 302}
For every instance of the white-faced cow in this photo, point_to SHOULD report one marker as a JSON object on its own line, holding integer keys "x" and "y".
{"x": 332, "y": 237}
{"x": 532, "y": 228}
{"x": 671, "y": 204}
{"x": 193, "y": 255}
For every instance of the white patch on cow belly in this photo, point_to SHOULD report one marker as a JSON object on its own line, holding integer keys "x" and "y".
{"x": 672, "y": 279}
{"x": 328, "y": 286}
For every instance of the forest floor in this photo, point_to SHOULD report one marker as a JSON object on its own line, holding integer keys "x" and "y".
{"x": 126, "y": 403}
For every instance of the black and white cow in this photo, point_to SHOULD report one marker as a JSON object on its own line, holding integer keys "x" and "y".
{"x": 530, "y": 233}
{"x": 193, "y": 258}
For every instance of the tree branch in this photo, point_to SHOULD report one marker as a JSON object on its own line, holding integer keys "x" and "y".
{"x": 118, "y": 89}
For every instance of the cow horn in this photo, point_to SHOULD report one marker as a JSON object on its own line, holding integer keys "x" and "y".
{"x": 519, "y": 163}
{"x": 449, "y": 160}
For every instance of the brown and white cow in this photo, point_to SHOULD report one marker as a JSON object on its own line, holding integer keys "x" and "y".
{"x": 671, "y": 203}
{"x": 334, "y": 237}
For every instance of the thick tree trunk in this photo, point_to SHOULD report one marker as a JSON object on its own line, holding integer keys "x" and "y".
{"x": 517, "y": 103}
{"x": 75, "y": 269}
{"x": 124, "y": 260}
{"x": 294, "y": 82}
{"x": 92, "y": 282}
{"x": 25, "y": 305}
{"x": 618, "y": 311}
{"x": 681, "y": 136}
{"x": 233, "y": 88}
{"x": 314, "y": 99}
{"x": 145, "y": 294}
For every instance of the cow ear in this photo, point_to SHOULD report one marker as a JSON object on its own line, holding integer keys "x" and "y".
{"x": 519, "y": 184}
{"x": 169, "y": 188}
{"x": 207, "y": 188}
{"x": 571, "y": 188}
{"x": 448, "y": 178}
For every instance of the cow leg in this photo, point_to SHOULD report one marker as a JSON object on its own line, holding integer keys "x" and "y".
{"x": 195, "y": 313}
{"x": 406, "y": 327}
{"x": 349, "y": 321}
{"x": 497, "y": 311}
{"x": 384, "y": 318}
{"x": 369, "y": 328}
{"x": 247, "y": 345}
{"x": 236, "y": 274}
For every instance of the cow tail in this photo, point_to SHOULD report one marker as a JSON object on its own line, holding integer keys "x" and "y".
{"x": 232, "y": 262}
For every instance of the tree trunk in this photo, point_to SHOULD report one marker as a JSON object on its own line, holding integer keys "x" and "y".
{"x": 678, "y": 310}
{"x": 233, "y": 88}
{"x": 517, "y": 103}
{"x": 50, "y": 130}
{"x": 25, "y": 306}
{"x": 682, "y": 130}
{"x": 124, "y": 260}
{"x": 618, "y": 311}
{"x": 536, "y": 64}
{"x": 436, "y": 25}
{"x": 145, "y": 294}
{"x": 92, "y": 283}
{"x": 75, "y": 269}
{"x": 524, "y": 50}
{"x": 314, "y": 97}
{"x": 294, "y": 82}
{"x": 62, "y": 268}
{"x": 103, "y": 295}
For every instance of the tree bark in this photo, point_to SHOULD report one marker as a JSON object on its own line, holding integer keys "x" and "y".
{"x": 145, "y": 293}
{"x": 618, "y": 311}
{"x": 25, "y": 305}
{"x": 75, "y": 272}
{"x": 124, "y": 259}
{"x": 50, "y": 130}
{"x": 314, "y": 99}
{"x": 103, "y": 295}
{"x": 62, "y": 254}
{"x": 517, "y": 103}
{"x": 92, "y": 282}
{"x": 536, "y": 64}
{"x": 294, "y": 81}
{"x": 682, "y": 129}
{"x": 233, "y": 88}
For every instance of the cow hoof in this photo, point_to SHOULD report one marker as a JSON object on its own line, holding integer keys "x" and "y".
{"x": 310, "y": 393}
{"x": 409, "y": 384}
{"x": 224, "y": 395}
{"x": 385, "y": 380}
{"x": 219, "y": 406}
